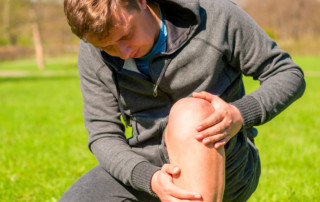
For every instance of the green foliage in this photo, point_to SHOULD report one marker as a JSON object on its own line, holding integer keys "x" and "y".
{"x": 24, "y": 40}
{"x": 4, "y": 41}
{"x": 271, "y": 32}
{"x": 44, "y": 143}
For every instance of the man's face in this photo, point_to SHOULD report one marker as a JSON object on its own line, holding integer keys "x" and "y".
{"x": 133, "y": 35}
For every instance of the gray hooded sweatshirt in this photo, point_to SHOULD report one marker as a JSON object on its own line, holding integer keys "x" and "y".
{"x": 210, "y": 45}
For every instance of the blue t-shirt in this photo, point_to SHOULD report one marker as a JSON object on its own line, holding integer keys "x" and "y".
{"x": 143, "y": 62}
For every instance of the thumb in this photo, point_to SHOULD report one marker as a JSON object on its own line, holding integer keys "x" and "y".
{"x": 171, "y": 169}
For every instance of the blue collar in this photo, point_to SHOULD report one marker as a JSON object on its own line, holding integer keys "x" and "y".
{"x": 159, "y": 47}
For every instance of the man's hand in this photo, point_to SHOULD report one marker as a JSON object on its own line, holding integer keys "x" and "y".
{"x": 162, "y": 185}
{"x": 222, "y": 125}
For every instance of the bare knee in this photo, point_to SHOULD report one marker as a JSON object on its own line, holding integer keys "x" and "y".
{"x": 186, "y": 114}
{"x": 202, "y": 167}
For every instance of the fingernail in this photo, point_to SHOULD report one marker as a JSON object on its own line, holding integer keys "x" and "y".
{"x": 197, "y": 196}
{"x": 199, "y": 136}
{"x": 206, "y": 140}
{"x": 199, "y": 127}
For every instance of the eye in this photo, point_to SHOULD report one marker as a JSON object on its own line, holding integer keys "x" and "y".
{"x": 127, "y": 36}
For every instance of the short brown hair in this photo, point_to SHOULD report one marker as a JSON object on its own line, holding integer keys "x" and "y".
{"x": 93, "y": 16}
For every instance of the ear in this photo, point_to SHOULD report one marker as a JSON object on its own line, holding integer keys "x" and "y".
{"x": 142, "y": 4}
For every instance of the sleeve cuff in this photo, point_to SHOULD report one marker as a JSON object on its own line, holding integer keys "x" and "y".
{"x": 250, "y": 110}
{"x": 141, "y": 176}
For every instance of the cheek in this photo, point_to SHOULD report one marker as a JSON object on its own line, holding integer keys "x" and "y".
{"x": 143, "y": 38}
{"x": 112, "y": 52}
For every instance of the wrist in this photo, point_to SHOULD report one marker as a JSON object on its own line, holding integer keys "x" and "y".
{"x": 250, "y": 110}
{"x": 237, "y": 118}
{"x": 141, "y": 176}
{"x": 154, "y": 181}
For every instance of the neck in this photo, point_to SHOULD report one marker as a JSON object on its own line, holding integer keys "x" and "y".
{"x": 154, "y": 8}
{"x": 155, "y": 12}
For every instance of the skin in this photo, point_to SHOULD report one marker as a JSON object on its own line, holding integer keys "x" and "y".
{"x": 134, "y": 35}
{"x": 202, "y": 167}
{"x": 135, "y": 32}
{"x": 220, "y": 126}
{"x": 206, "y": 136}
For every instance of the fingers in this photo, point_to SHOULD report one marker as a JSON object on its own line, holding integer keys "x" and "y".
{"x": 217, "y": 141}
{"x": 181, "y": 194}
{"x": 171, "y": 169}
{"x": 210, "y": 121}
{"x": 222, "y": 125}
{"x": 222, "y": 142}
{"x": 215, "y": 124}
{"x": 218, "y": 135}
{"x": 163, "y": 186}
{"x": 204, "y": 95}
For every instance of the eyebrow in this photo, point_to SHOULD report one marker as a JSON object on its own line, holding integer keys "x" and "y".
{"x": 128, "y": 34}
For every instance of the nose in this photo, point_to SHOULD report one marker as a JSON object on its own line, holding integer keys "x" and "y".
{"x": 124, "y": 50}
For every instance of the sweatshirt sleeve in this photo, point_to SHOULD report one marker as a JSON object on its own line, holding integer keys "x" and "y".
{"x": 249, "y": 49}
{"x": 102, "y": 120}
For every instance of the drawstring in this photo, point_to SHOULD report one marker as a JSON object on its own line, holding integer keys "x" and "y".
{"x": 155, "y": 87}
{"x": 113, "y": 69}
{"x": 118, "y": 98}
{"x": 155, "y": 90}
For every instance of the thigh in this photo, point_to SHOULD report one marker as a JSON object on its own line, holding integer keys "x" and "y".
{"x": 98, "y": 185}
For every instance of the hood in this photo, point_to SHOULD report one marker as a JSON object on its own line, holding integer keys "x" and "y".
{"x": 182, "y": 17}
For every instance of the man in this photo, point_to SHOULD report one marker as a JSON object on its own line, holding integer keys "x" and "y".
{"x": 145, "y": 62}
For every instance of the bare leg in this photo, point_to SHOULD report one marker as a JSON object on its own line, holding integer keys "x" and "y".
{"x": 202, "y": 167}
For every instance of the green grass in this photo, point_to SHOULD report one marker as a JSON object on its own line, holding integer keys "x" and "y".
{"x": 43, "y": 142}
{"x": 308, "y": 63}
{"x": 43, "y": 139}
{"x": 60, "y": 63}
{"x": 289, "y": 145}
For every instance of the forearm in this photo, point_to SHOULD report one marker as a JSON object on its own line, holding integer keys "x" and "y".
{"x": 274, "y": 95}
{"x": 116, "y": 156}
{"x": 255, "y": 54}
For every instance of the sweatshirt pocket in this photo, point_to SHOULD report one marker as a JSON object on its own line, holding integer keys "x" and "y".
{"x": 146, "y": 130}
{"x": 147, "y": 136}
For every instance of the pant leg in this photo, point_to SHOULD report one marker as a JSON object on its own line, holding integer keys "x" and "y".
{"x": 97, "y": 185}
{"x": 242, "y": 169}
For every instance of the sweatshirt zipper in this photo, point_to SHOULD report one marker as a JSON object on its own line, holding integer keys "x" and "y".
{"x": 155, "y": 90}
{"x": 157, "y": 83}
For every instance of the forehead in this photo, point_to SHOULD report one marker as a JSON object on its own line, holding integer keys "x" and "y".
{"x": 122, "y": 23}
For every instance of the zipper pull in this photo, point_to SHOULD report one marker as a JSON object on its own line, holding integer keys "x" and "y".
{"x": 155, "y": 90}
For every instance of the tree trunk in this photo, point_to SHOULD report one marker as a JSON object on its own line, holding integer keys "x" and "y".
{"x": 38, "y": 45}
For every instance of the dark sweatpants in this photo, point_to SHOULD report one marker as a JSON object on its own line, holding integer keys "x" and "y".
{"x": 242, "y": 176}
{"x": 97, "y": 185}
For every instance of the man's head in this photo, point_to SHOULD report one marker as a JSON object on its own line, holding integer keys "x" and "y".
{"x": 86, "y": 17}
{"x": 122, "y": 28}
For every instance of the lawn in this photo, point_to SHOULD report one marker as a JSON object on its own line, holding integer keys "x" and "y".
{"x": 43, "y": 142}
{"x": 289, "y": 146}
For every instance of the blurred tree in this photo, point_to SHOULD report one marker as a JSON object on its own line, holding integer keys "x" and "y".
{"x": 18, "y": 28}
{"x": 6, "y": 17}
{"x": 36, "y": 34}
{"x": 286, "y": 18}
{"x": 14, "y": 20}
